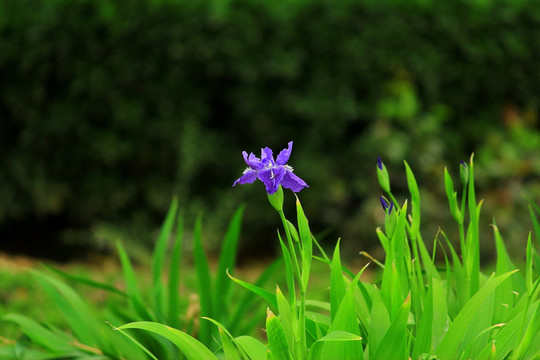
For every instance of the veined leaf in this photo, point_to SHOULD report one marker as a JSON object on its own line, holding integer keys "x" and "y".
{"x": 394, "y": 343}
{"x": 315, "y": 352}
{"x": 277, "y": 339}
{"x": 286, "y": 317}
{"x": 254, "y": 349}
{"x": 230, "y": 351}
{"x": 345, "y": 320}
{"x": 453, "y": 338}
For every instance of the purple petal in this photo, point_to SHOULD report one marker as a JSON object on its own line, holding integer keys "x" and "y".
{"x": 384, "y": 203}
{"x": 267, "y": 157}
{"x": 252, "y": 161}
{"x": 248, "y": 177}
{"x": 379, "y": 163}
{"x": 284, "y": 155}
{"x": 293, "y": 182}
{"x": 271, "y": 178}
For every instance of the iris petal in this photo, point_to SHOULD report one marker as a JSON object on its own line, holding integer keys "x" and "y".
{"x": 267, "y": 156}
{"x": 252, "y": 161}
{"x": 271, "y": 178}
{"x": 248, "y": 177}
{"x": 284, "y": 155}
{"x": 293, "y": 182}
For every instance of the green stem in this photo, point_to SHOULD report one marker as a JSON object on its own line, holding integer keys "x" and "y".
{"x": 301, "y": 344}
{"x": 461, "y": 226}
{"x": 291, "y": 246}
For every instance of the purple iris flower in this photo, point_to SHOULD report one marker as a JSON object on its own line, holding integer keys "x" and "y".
{"x": 271, "y": 172}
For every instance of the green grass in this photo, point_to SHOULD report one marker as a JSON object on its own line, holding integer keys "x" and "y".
{"x": 311, "y": 304}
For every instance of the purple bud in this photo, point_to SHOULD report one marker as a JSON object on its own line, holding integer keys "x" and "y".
{"x": 390, "y": 208}
{"x": 384, "y": 203}
{"x": 379, "y": 163}
{"x": 464, "y": 164}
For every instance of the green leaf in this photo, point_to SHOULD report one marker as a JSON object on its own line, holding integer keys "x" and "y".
{"x": 174, "y": 276}
{"x": 57, "y": 342}
{"x": 249, "y": 299}
{"x": 285, "y": 316}
{"x": 415, "y": 201}
{"x": 315, "y": 352}
{"x": 379, "y": 324}
{"x": 472, "y": 260}
{"x": 189, "y": 346}
{"x": 135, "y": 298}
{"x": 394, "y": 343}
{"x": 158, "y": 257}
{"x": 204, "y": 282}
{"x": 453, "y": 338}
{"x": 77, "y": 313}
{"x": 254, "y": 349}
{"x": 307, "y": 244}
{"x": 227, "y": 260}
{"x": 345, "y": 320}
{"x": 277, "y": 339}
{"x": 265, "y": 294}
{"x": 289, "y": 271}
{"x": 337, "y": 283}
{"x": 231, "y": 353}
{"x": 86, "y": 281}
{"x": 452, "y": 197}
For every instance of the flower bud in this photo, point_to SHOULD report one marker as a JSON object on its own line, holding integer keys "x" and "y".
{"x": 464, "y": 173}
{"x": 382, "y": 176}
{"x": 276, "y": 199}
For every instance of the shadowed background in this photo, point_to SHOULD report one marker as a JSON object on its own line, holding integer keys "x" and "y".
{"x": 108, "y": 110}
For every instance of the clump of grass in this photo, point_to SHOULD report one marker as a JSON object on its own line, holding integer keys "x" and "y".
{"x": 419, "y": 309}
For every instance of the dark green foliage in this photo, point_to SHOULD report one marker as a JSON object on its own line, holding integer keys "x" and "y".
{"x": 107, "y": 109}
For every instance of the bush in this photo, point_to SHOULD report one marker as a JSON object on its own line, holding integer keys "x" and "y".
{"x": 108, "y": 109}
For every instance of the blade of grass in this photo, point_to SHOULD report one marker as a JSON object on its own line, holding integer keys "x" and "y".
{"x": 394, "y": 343}
{"x": 337, "y": 283}
{"x": 174, "y": 276}
{"x": 57, "y": 342}
{"x": 135, "y": 298}
{"x": 86, "y": 281}
{"x": 252, "y": 347}
{"x": 249, "y": 299}
{"x": 265, "y": 294}
{"x": 227, "y": 260}
{"x": 77, "y": 313}
{"x": 204, "y": 282}
{"x": 345, "y": 320}
{"x": 230, "y": 351}
{"x": 158, "y": 260}
{"x": 285, "y": 316}
{"x": 189, "y": 346}
{"x": 306, "y": 241}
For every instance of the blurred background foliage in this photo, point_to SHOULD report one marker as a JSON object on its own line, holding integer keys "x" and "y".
{"x": 108, "y": 109}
